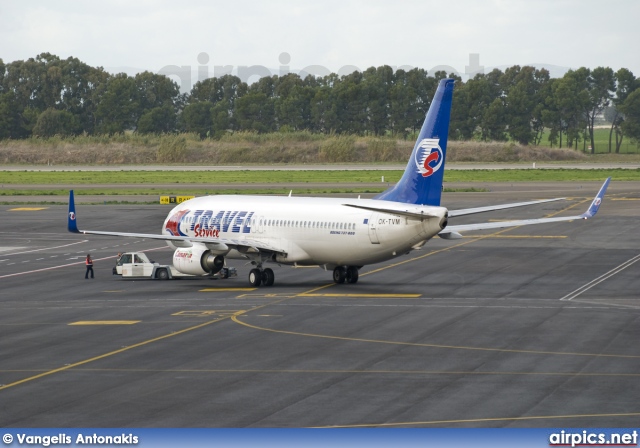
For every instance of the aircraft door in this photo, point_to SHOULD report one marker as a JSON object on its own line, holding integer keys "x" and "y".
{"x": 260, "y": 222}
{"x": 373, "y": 228}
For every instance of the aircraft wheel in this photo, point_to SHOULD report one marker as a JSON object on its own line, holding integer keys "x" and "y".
{"x": 339, "y": 274}
{"x": 255, "y": 277}
{"x": 268, "y": 277}
{"x": 352, "y": 274}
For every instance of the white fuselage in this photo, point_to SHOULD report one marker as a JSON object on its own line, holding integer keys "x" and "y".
{"x": 309, "y": 231}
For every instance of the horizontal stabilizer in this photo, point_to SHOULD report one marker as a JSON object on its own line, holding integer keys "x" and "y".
{"x": 391, "y": 211}
{"x": 447, "y": 235}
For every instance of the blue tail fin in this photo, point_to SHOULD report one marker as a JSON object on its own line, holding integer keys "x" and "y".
{"x": 72, "y": 226}
{"x": 421, "y": 182}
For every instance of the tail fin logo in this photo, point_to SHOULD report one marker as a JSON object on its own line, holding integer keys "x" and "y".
{"x": 429, "y": 156}
{"x": 72, "y": 216}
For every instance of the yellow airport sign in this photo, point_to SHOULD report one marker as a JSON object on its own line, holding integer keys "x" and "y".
{"x": 174, "y": 199}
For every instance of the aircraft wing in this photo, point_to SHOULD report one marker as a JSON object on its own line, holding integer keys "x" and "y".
{"x": 243, "y": 245}
{"x": 490, "y": 208}
{"x": 452, "y": 231}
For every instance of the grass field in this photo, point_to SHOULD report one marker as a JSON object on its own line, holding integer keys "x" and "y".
{"x": 198, "y": 183}
{"x": 16, "y": 178}
{"x": 601, "y": 138}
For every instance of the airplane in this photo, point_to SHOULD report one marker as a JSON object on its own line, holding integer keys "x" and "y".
{"x": 336, "y": 234}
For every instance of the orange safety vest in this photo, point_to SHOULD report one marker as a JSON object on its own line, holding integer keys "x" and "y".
{"x": 89, "y": 262}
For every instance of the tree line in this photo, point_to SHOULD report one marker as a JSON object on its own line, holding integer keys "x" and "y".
{"x": 46, "y": 96}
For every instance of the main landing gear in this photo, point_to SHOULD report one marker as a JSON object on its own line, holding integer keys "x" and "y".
{"x": 259, "y": 277}
{"x": 345, "y": 273}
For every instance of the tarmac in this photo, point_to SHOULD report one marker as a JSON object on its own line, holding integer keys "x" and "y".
{"x": 525, "y": 327}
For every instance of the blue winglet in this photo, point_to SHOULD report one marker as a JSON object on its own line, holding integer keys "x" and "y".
{"x": 595, "y": 205}
{"x": 72, "y": 226}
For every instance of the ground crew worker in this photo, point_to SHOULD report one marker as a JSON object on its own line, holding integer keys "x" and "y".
{"x": 115, "y": 268}
{"x": 89, "y": 263}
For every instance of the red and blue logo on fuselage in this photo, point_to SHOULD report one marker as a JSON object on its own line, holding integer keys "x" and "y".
{"x": 173, "y": 223}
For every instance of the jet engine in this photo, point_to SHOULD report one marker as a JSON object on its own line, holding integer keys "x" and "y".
{"x": 197, "y": 261}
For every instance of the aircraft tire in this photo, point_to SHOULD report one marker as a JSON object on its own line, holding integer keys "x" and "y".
{"x": 255, "y": 277}
{"x": 352, "y": 274}
{"x": 339, "y": 274}
{"x": 268, "y": 277}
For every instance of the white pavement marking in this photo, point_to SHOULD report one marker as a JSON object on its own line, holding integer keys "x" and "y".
{"x": 69, "y": 264}
{"x": 46, "y": 248}
{"x": 572, "y": 295}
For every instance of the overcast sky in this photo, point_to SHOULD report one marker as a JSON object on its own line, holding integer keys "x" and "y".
{"x": 331, "y": 34}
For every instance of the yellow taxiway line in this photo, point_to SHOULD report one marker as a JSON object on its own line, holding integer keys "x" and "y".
{"x": 226, "y": 289}
{"x": 366, "y": 296}
{"x": 482, "y": 420}
{"x": 105, "y": 322}
{"x": 27, "y": 209}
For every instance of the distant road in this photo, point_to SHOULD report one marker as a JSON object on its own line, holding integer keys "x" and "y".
{"x": 342, "y": 167}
